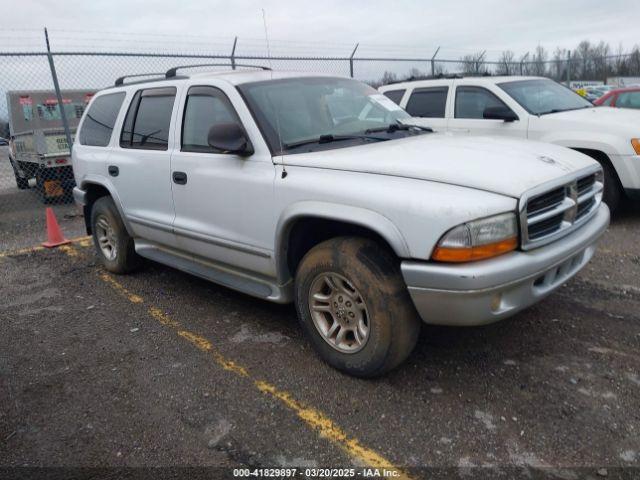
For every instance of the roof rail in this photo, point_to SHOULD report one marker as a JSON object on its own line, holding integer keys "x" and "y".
{"x": 173, "y": 71}
{"x": 439, "y": 76}
{"x": 120, "y": 80}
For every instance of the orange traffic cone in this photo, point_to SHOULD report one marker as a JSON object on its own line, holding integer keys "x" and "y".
{"x": 55, "y": 238}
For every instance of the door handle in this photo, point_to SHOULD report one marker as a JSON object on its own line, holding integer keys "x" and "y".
{"x": 180, "y": 178}
{"x": 113, "y": 170}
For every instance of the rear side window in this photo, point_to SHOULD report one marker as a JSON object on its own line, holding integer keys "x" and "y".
{"x": 100, "y": 120}
{"x": 394, "y": 95}
{"x": 428, "y": 102}
{"x": 205, "y": 108}
{"x": 471, "y": 102}
{"x": 146, "y": 125}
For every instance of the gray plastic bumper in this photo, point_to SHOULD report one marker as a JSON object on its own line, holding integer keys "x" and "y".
{"x": 483, "y": 292}
{"x": 80, "y": 196}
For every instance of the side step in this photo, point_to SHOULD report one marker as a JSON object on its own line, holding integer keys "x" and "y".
{"x": 223, "y": 275}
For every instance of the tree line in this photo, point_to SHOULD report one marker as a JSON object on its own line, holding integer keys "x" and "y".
{"x": 588, "y": 61}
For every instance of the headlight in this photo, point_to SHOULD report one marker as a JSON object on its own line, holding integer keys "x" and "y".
{"x": 635, "y": 143}
{"x": 479, "y": 239}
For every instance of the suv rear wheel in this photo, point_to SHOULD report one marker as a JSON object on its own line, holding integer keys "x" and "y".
{"x": 114, "y": 245}
{"x": 354, "y": 307}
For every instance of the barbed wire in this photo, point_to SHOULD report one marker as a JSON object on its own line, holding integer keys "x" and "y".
{"x": 67, "y": 39}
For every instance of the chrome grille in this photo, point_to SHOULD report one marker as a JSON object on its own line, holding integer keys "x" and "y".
{"x": 551, "y": 211}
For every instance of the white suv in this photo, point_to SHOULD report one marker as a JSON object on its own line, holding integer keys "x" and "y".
{"x": 534, "y": 108}
{"x": 313, "y": 189}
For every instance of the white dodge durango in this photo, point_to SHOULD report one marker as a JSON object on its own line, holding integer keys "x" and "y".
{"x": 318, "y": 190}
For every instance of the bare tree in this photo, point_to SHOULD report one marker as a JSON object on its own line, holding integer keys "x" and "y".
{"x": 415, "y": 74}
{"x": 619, "y": 63}
{"x": 559, "y": 63}
{"x": 589, "y": 61}
{"x": 633, "y": 61}
{"x": 600, "y": 60}
{"x": 539, "y": 64}
{"x": 525, "y": 64}
{"x": 473, "y": 64}
{"x": 583, "y": 54}
{"x": 507, "y": 64}
{"x": 388, "y": 77}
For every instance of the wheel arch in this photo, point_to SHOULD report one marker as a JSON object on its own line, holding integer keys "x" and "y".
{"x": 602, "y": 158}
{"x": 94, "y": 190}
{"x": 306, "y": 224}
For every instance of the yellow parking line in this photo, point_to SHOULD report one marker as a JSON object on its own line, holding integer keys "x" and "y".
{"x": 84, "y": 241}
{"x": 312, "y": 417}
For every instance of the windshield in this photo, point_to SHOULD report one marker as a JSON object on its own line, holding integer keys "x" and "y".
{"x": 321, "y": 113}
{"x": 540, "y": 97}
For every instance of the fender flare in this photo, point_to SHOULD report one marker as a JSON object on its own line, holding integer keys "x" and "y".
{"x": 339, "y": 212}
{"x": 100, "y": 181}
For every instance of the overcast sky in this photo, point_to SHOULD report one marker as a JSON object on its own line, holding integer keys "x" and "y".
{"x": 389, "y": 26}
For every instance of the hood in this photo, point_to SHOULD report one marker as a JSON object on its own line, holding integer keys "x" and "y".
{"x": 499, "y": 165}
{"x": 620, "y": 121}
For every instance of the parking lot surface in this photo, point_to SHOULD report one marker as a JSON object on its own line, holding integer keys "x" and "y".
{"x": 22, "y": 213}
{"x": 159, "y": 368}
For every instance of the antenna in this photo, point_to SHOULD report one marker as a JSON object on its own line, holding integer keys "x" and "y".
{"x": 266, "y": 37}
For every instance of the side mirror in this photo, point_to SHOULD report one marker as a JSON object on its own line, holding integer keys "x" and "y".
{"x": 499, "y": 113}
{"x": 230, "y": 138}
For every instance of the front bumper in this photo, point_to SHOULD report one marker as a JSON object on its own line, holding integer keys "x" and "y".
{"x": 80, "y": 196}
{"x": 483, "y": 292}
{"x": 628, "y": 170}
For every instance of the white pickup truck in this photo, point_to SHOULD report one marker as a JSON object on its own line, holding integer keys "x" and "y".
{"x": 534, "y": 108}
{"x": 314, "y": 189}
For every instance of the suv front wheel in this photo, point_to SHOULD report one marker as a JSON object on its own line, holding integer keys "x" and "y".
{"x": 113, "y": 243}
{"x": 354, "y": 307}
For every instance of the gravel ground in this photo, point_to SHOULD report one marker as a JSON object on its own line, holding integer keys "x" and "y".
{"x": 159, "y": 368}
{"x": 22, "y": 214}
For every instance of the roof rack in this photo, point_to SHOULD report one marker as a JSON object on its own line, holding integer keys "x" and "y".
{"x": 439, "y": 76}
{"x": 173, "y": 71}
{"x": 120, "y": 80}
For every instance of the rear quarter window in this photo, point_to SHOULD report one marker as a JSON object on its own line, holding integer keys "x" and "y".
{"x": 98, "y": 124}
{"x": 428, "y": 102}
{"x": 394, "y": 95}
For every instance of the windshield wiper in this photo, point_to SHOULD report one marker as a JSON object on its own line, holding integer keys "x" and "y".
{"x": 330, "y": 138}
{"x": 394, "y": 127}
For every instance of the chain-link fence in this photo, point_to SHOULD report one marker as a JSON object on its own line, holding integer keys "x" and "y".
{"x": 35, "y": 167}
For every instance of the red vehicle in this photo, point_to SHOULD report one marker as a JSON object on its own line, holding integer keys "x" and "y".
{"x": 621, "y": 98}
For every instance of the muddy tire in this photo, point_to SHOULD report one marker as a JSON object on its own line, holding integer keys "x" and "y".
{"x": 113, "y": 243}
{"x": 21, "y": 183}
{"x": 353, "y": 285}
{"x": 612, "y": 190}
